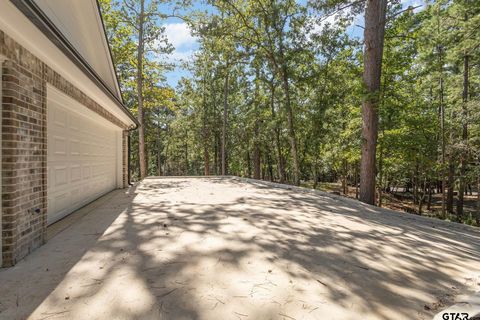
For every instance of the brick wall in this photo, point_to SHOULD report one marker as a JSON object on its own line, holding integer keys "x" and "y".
{"x": 24, "y": 146}
{"x": 24, "y": 161}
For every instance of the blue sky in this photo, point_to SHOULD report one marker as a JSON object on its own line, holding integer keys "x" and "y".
{"x": 185, "y": 44}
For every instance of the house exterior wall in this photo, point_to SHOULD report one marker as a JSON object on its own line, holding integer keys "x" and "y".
{"x": 24, "y": 146}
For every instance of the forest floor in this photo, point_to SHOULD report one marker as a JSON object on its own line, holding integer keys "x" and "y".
{"x": 403, "y": 201}
{"x": 230, "y": 248}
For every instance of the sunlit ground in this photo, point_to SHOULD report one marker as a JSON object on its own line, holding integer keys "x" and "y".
{"x": 222, "y": 248}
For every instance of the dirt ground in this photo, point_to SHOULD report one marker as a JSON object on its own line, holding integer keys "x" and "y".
{"x": 225, "y": 248}
{"x": 401, "y": 201}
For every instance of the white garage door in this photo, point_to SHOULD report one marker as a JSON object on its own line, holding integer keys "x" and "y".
{"x": 82, "y": 156}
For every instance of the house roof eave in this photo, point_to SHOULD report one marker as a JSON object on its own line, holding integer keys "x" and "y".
{"x": 33, "y": 13}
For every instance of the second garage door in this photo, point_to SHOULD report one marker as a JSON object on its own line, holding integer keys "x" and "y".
{"x": 82, "y": 156}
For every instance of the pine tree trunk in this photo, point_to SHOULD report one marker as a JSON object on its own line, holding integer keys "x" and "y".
{"x": 186, "y": 152}
{"x": 421, "y": 199}
{"x": 442, "y": 124}
{"x": 442, "y": 121}
{"x": 159, "y": 152}
{"x": 278, "y": 146}
{"x": 356, "y": 182}
{"x": 478, "y": 202}
{"x": 291, "y": 130}
{"x": 249, "y": 164}
{"x": 166, "y": 169}
{"x": 450, "y": 183}
{"x": 380, "y": 177}
{"x": 290, "y": 121}
{"x": 141, "y": 128}
{"x": 224, "y": 125}
{"x": 256, "y": 135}
{"x": 214, "y": 133}
{"x": 464, "y": 155}
{"x": 159, "y": 162}
{"x": 270, "y": 166}
{"x": 280, "y": 159}
{"x": 206, "y": 160}
{"x": 216, "y": 155}
{"x": 375, "y": 15}
{"x": 206, "y": 154}
{"x": 256, "y": 162}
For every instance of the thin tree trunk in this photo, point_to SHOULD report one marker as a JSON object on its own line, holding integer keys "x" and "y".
{"x": 166, "y": 170}
{"x": 414, "y": 187}
{"x": 478, "y": 202}
{"x": 249, "y": 164}
{"x": 256, "y": 160}
{"x": 344, "y": 177}
{"x": 290, "y": 121}
{"x": 450, "y": 182}
{"x": 442, "y": 121}
{"x": 421, "y": 200}
{"x": 256, "y": 134}
{"x": 356, "y": 181}
{"x": 206, "y": 155}
{"x": 291, "y": 130}
{"x": 214, "y": 133}
{"x": 159, "y": 162}
{"x": 429, "y": 201}
{"x": 464, "y": 155}
{"x": 278, "y": 146}
{"x": 186, "y": 151}
{"x": 270, "y": 166}
{"x": 375, "y": 15}
{"x": 380, "y": 177}
{"x": 224, "y": 124}
{"x": 216, "y": 154}
{"x": 159, "y": 150}
{"x": 442, "y": 125}
{"x": 141, "y": 128}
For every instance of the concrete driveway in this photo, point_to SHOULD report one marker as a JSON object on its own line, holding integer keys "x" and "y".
{"x": 224, "y": 248}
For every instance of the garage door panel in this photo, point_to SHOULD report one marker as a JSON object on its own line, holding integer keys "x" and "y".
{"x": 75, "y": 147}
{"x": 59, "y": 146}
{"x": 75, "y": 123}
{"x": 81, "y": 157}
{"x": 60, "y": 118}
{"x": 61, "y": 176}
{"x": 60, "y": 201}
{"x": 76, "y": 173}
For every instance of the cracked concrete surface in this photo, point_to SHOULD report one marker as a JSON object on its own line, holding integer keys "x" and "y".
{"x": 226, "y": 248}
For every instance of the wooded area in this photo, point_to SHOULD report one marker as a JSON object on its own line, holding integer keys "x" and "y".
{"x": 281, "y": 90}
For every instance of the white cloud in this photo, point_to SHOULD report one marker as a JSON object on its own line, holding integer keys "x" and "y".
{"x": 419, "y": 5}
{"x": 179, "y": 35}
{"x": 331, "y": 19}
{"x": 177, "y": 56}
{"x": 316, "y": 24}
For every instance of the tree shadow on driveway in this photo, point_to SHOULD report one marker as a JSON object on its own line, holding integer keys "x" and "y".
{"x": 216, "y": 248}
